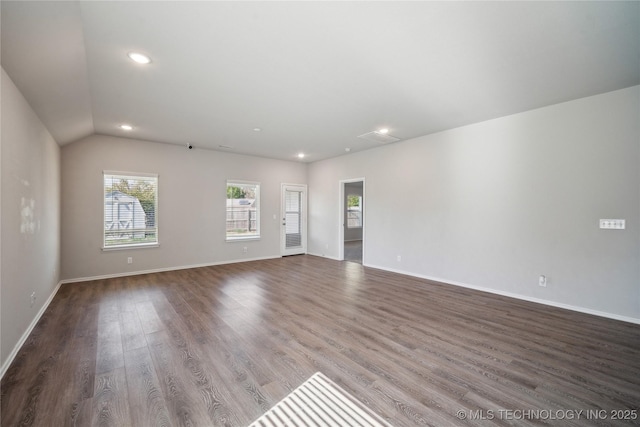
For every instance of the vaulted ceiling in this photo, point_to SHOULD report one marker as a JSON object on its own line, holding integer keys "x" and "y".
{"x": 312, "y": 76}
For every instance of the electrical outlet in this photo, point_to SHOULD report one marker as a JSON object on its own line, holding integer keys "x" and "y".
{"x": 33, "y": 298}
{"x": 615, "y": 224}
{"x": 542, "y": 281}
{"x": 130, "y": 260}
{"x": 399, "y": 258}
{"x": 244, "y": 250}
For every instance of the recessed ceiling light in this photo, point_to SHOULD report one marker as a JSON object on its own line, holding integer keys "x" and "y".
{"x": 257, "y": 129}
{"x": 301, "y": 155}
{"x": 126, "y": 127}
{"x": 347, "y": 149}
{"x": 383, "y": 131}
{"x": 140, "y": 58}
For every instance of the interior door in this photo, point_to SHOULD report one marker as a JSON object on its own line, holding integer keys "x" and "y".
{"x": 294, "y": 220}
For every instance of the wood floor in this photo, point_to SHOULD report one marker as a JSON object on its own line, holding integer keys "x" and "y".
{"x": 218, "y": 346}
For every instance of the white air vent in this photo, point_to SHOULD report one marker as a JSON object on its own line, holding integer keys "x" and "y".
{"x": 378, "y": 137}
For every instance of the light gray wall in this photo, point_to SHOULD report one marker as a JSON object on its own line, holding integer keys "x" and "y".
{"x": 498, "y": 203}
{"x": 30, "y": 217}
{"x": 350, "y": 188}
{"x": 191, "y": 205}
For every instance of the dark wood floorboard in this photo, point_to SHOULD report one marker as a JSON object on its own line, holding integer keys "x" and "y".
{"x": 218, "y": 346}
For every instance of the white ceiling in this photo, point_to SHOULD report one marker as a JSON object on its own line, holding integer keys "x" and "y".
{"x": 312, "y": 75}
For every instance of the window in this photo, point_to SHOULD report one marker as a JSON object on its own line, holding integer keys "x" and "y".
{"x": 243, "y": 210}
{"x": 130, "y": 207}
{"x": 354, "y": 211}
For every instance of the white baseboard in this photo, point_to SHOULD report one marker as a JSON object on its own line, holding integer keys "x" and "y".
{"x": 26, "y": 333}
{"x": 160, "y": 270}
{"x": 514, "y": 295}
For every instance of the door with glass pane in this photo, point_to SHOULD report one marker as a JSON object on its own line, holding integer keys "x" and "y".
{"x": 294, "y": 219}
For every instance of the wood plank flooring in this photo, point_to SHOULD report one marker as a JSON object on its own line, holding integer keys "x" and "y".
{"x": 218, "y": 346}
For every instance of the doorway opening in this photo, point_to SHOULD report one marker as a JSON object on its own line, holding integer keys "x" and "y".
{"x": 353, "y": 220}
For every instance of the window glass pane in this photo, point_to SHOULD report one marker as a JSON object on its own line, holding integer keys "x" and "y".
{"x": 293, "y": 220}
{"x": 354, "y": 211}
{"x": 130, "y": 206}
{"x": 243, "y": 210}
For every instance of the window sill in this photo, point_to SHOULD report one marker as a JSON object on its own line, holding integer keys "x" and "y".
{"x": 127, "y": 247}
{"x": 241, "y": 239}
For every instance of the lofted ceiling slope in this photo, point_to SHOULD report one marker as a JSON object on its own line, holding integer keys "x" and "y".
{"x": 312, "y": 76}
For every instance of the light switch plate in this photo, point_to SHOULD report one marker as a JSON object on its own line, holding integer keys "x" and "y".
{"x": 613, "y": 224}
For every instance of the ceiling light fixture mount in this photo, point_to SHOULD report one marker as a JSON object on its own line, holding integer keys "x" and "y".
{"x": 138, "y": 57}
{"x": 301, "y": 155}
{"x": 126, "y": 127}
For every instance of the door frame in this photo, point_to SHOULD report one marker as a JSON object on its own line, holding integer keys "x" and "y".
{"x": 341, "y": 223}
{"x": 303, "y": 219}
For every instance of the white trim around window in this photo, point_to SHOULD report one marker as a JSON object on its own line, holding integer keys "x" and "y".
{"x": 242, "y": 215}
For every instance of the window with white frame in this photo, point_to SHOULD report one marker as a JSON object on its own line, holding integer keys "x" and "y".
{"x": 130, "y": 210}
{"x": 354, "y": 211}
{"x": 243, "y": 210}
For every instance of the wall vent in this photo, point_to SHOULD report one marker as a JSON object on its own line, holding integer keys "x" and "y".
{"x": 381, "y": 138}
